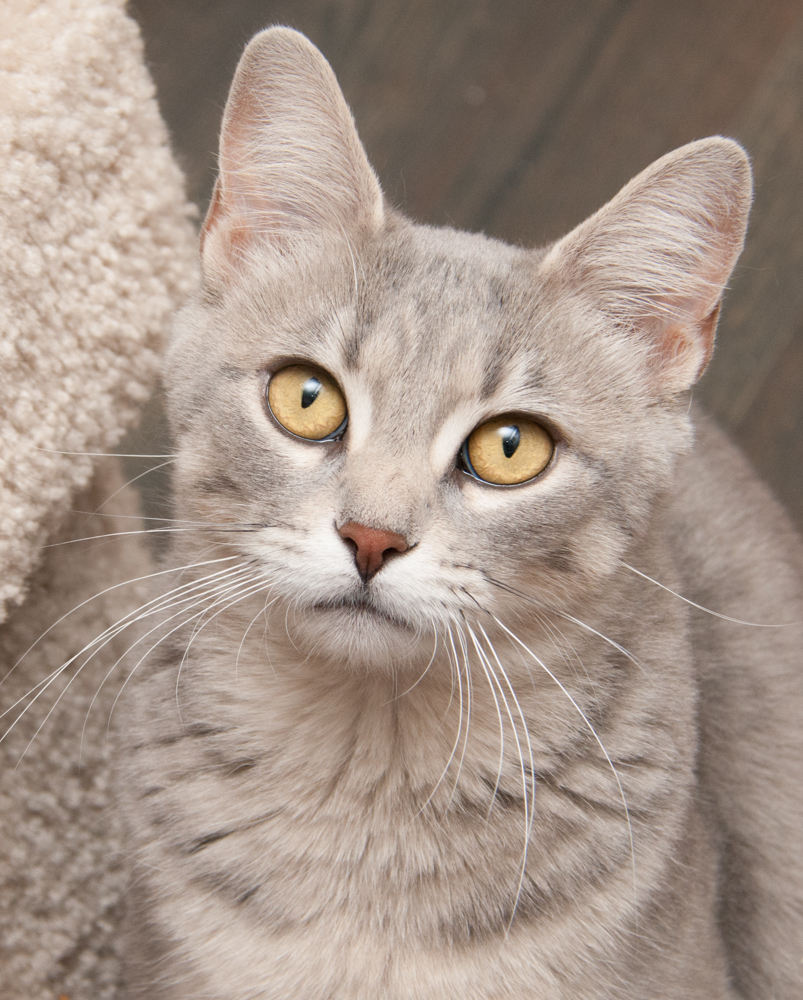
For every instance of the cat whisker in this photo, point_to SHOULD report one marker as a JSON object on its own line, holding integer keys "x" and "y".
{"x": 469, "y": 696}
{"x": 287, "y": 629}
{"x": 106, "y": 636}
{"x": 144, "y": 656}
{"x": 110, "y": 634}
{"x": 708, "y": 611}
{"x": 515, "y": 698}
{"x": 593, "y": 732}
{"x": 425, "y": 671}
{"x": 154, "y": 468}
{"x": 56, "y": 674}
{"x": 150, "y": 531}
{"x": 459, "y": 672}
{"x": 102, "y": 593}
{"x": 529, "y": 803}
{"x": 99, "y": 642}
{"x": 262, "y": 611}
{"x": 467, "y": 665}
{"x": 96, "y": 454}
{"x": 495, "y": 790}
{"x": 601, "y": 635}
{"x": 454, "y": 663}
{"x": 246, "y": 589}
{"x": 453, "y": 668}
{"x": 218, "y": 594}
{"x": 139, "y": 517}
{"x": 567, "y": 617}
{"x": 554, "y": 632}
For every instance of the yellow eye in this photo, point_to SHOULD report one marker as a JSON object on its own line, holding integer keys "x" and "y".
{"x": 307, "y": 402}
{"x": 508, "y": 450}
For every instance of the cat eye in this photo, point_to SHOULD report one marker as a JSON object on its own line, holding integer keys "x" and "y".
{"x": 507, "y": 450}
{"x": 307, "y": 402}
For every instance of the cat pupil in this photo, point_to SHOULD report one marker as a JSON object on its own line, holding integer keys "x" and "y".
{"x": 510, "y": 440}
{"x": 310, "y": 392}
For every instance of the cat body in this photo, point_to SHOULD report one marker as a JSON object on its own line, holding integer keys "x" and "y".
{"x": 409, "y": 731}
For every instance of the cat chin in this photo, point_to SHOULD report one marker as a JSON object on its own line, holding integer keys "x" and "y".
{"x": 359, "y": 637}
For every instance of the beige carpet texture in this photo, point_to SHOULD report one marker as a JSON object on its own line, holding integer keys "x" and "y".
{"x": 97, "y": 249}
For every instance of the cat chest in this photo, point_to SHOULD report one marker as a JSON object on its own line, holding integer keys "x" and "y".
{"x": 374, "y": 852}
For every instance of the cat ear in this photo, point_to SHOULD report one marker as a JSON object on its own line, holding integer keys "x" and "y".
{"x": 656, "y": 258}
{"x": 291, "y": 164}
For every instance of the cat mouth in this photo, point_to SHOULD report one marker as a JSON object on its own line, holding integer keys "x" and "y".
{"x": 362, "y": 607}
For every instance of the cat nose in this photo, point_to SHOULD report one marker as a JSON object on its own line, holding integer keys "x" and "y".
{"x": 372, "y": 546}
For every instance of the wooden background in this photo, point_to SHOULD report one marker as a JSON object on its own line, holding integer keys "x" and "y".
{"x": 520, "y": 117}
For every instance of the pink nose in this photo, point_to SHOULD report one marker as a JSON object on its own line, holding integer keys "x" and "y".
{"x": 371, "y": 545}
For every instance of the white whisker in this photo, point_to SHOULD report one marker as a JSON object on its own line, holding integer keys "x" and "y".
{"x": 566, "y": 616}
{"x": 555, "y": 633}
{"x": 593, "y": 732}
{"x": 601, "y": 635}
{"x": 241, "y": 588}
{"x": 426, "y": 669}
{"x": 227, "y": 590}
{"x": 488, "y": 677}
{"x": 467, "y": 666}
{"x": 708, "y": 611}
{"x": 524, "y": 727}
{"x": 153, "y": 531}
{"x": 131, "y": 482}
{"x": 456, "y": 669}
{"x": 263, "y": 611}
{"x": 116, "y": 586}
{"x": 97, "y": 454}
{"x": 468, "y": 708}
{"x": 528, "y": 812}
{"x": 100, "y": 641}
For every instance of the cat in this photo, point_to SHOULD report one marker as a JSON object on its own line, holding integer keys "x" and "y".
{"x": 481, "y": 674}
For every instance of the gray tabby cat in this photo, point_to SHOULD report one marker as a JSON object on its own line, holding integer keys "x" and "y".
{"x": 426, "y": 717}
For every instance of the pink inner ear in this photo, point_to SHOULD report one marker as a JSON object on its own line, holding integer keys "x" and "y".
{"x": 292, "y": 168}
{"x": 239, "y": 203}
{"x": 686, "y": 348}
{"x": 708, "y": 329}
{"x": 230, "y": 230}
{"x": 656, "y": 258}
{"x": 213, "y": 214}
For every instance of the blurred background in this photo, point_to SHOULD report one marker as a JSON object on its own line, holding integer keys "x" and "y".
{"x": 520, "y": 117}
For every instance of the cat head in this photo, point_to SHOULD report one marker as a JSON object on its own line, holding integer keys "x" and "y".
{"x": 422, "y": 426}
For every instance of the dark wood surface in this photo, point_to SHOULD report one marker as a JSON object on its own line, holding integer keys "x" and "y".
{"x": 520, "y": 117}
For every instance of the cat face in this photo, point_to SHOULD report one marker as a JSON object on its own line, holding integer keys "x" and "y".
{"x": 432, "y": 345}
